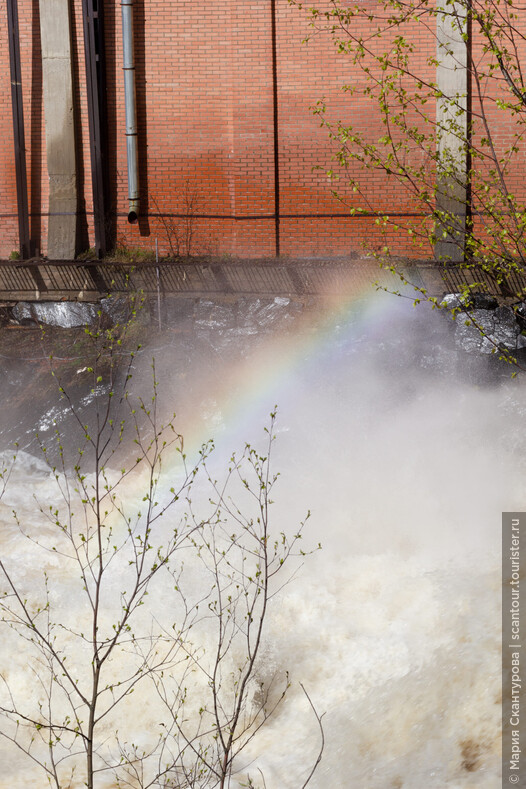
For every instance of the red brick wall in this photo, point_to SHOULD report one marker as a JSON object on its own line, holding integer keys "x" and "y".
{"x": 206, "y": 133}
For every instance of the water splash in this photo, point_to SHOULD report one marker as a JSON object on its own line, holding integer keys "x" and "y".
{"x": 394, "y": 627}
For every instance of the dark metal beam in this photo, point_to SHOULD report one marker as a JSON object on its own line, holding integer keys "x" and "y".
{"x": 275, "y": 126}
{"x": 18, "y": 129}
{"x": 92, "y": 15}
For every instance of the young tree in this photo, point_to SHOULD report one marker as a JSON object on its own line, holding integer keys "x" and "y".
{"x": 441, "y": 90}
{"x": 91, "y": 628}
{"x": 242, "y": 563}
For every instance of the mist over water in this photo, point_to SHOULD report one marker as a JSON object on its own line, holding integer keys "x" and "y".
{"x": 406, "y": 451}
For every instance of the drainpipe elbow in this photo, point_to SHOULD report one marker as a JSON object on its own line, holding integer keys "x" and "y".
{"x": 133, "y": 211}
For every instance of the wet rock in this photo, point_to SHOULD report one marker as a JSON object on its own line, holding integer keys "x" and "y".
{"x": 484, "y": 301}
{"x": 213, "y": 316}
{"x": 484, "y": 330}
{"x": 452, "y": 301}
{"x": 221, "y": 325}
{"x": 474, "y": 301}
{"x": 117, "y": 309}
{"x": 520, "y": 313}
{"x": 66, "y": 314}
{"x": 266, "y": 313}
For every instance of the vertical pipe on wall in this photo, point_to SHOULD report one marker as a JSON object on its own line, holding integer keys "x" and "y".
{"x": 18, "y": 129}
{"x": 92, "y": 15}
{"x": 131, "y": 110}
{"x": 469, "y": 131}
{"x": 275, "y": 128}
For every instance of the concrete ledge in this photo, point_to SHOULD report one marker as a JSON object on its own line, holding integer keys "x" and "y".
{"x": 73, "y": 280}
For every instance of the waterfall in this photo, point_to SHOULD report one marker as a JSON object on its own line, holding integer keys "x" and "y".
{"x": 406, "y": 451}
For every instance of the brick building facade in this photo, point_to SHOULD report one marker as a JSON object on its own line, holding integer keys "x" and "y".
{"x": 232, "y": 160}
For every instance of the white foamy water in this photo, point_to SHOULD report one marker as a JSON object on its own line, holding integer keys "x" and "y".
{"x": 394, "y": 627}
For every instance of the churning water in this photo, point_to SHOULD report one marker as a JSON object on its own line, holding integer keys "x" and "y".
{"x": 406, "y": 454}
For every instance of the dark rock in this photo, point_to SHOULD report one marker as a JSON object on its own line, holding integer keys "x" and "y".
{"x": 117, "y": 309}
{"x": 520, "y": 314}
{"x": 473, "y": 301}
{"x": 484, "y": 301}
{"x": 6, "y": 314}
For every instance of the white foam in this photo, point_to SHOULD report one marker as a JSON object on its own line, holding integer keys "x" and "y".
{"x": 394, "y": 628}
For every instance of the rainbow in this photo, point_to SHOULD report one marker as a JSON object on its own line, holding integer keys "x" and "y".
{"x": 271, "y": 375}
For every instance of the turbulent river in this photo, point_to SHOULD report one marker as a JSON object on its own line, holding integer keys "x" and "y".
{"x": 406, "y": 451}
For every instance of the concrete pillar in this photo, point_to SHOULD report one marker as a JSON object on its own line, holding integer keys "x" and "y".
{"x": 452, "y": 129}
{"x": 60, "y": 138}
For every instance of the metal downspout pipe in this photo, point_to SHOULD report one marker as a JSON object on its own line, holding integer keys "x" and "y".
{"x": 131, "y": 110}
{"x": 18, "y": 129}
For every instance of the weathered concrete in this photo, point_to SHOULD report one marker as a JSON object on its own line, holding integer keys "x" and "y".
{"x": 60, "y": 137}
{"x": 452, "y": 129}
{"x": 42, "y": 280}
